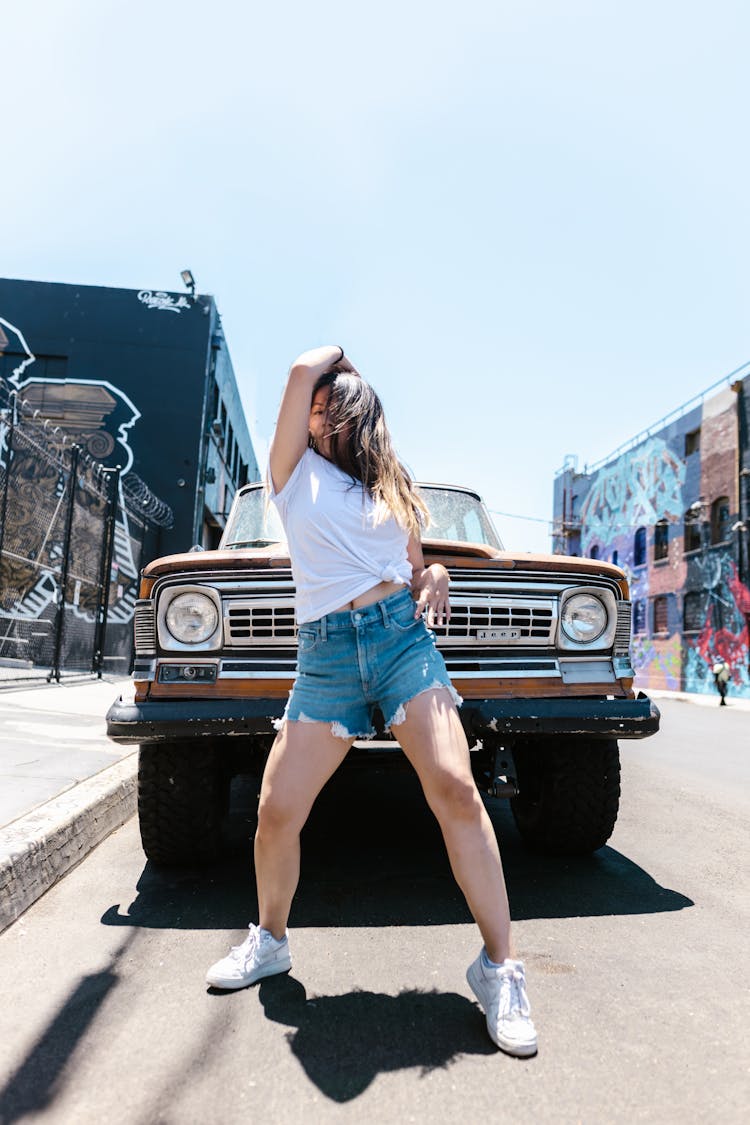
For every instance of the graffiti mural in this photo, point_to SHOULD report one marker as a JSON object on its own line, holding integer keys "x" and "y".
{"x": 671, "y": 513}
{"x": 724, "y": 635}
{"x": 56, "y": 511}
{"x": 98, "y": 417}
{"x": 638, "y": 489}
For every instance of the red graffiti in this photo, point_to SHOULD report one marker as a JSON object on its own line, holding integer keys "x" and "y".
{"x": 740, "y": 592}
{"x": 723, "y": 644}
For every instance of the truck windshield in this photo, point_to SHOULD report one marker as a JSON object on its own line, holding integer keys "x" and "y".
{"x": 252, "y": 522}
{"x": 455, "y": 515}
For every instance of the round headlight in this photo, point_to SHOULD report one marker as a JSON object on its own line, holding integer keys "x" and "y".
{"x": 583, "y": 618}
{"x": 191, "y": 618}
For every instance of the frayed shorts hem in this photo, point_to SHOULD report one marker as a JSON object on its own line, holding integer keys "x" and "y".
{"x": 338, "y": 730}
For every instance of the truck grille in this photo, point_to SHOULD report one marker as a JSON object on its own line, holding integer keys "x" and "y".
{"x": 622, "y": 633}
{"x": 503, "y": 624}
{"x": 485, "y": 662}
{"x": 271, "y": 622}
{"x": 488, "y": 621}
{"x": 144, "y": 627}
{"x": 474, "y": 621}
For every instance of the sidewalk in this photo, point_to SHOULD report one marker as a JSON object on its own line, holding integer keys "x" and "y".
{"x": 63, "y": 785}
{"x": 699, "y": 698}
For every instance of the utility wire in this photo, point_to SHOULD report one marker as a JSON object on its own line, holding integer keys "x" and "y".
{"x": 513, "y": 516}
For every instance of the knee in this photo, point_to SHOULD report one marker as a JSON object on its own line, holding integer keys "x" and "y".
{"x": 277, "y": 817}
{"x": 455, "y": 797}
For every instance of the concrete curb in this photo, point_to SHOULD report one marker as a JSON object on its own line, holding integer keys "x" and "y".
{"x": 39, "y": 848}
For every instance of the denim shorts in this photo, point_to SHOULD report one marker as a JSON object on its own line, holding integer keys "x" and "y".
{"x": 349, "y": 663}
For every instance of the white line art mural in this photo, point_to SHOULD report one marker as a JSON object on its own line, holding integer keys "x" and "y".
{"x": 638, "y": 489}
{"x": 99, "y": 417}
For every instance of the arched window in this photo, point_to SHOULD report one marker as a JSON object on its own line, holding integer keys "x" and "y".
{"x": 720, "y": 519}
{"x": 615, "y": 558}
{"x": 639, "y": 617}
{"x": 661, "y": 540}
{"x": 661, "y": 607}
{"x": 692, "y": 530}
{"x": 694, "y": 611}
{"x": 594, "y": 552}
{"x": 639, "y": 547}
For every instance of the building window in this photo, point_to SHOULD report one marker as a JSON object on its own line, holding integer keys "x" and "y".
{"x": 693, "y": 611}
{"x": 692, "y": 442}
{"x": 639, "y": 547}
{"x": 692, "y": 531}
{"x": 661, "y": 540}
{"x": 660, "y": 614}
{"x": 615, "y": 558}
{"x": 720, "y": 520}
{"x": 594, "y": 552}
{"x": 639, "y": 617}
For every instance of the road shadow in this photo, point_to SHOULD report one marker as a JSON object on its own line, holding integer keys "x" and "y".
{"x": 33, "y": 1087}
{"x": 344, "y": 1042}
{"x": 372, "y": 855}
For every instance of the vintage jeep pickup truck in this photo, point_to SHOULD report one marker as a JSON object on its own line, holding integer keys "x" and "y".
{"x": 537, "y": 645}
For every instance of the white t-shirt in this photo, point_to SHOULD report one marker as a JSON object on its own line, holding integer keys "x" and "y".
{"x": 337, "y": 550}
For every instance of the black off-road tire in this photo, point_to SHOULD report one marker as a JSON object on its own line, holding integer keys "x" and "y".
{"x": 183, "y": 792}
{"x": 569, "y": 794}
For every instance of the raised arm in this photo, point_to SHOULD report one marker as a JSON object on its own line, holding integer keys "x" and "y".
{"x": 292, "y": 425}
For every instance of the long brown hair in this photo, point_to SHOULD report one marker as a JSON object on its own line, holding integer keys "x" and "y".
{"x": 361, "y": 446}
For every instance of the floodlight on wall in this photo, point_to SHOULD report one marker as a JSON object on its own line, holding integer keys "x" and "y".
{"x": 739, "y": 526}
{"x": 188, "y": 281}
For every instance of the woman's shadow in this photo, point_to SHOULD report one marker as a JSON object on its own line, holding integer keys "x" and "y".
{"x": 344, "y": 1042}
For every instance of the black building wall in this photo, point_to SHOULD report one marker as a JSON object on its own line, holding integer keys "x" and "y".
{"x": 134, "y": 375}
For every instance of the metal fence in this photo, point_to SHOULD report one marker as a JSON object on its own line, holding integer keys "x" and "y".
{"x": 72, "y": 536}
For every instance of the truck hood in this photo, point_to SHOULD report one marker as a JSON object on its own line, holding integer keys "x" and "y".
{"x": 453, "y": 554}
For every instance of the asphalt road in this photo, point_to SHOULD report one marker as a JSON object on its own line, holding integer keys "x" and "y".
{"x": 636, "y": 961}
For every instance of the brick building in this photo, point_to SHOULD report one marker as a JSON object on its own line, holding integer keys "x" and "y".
{"x": 672, "y": 508}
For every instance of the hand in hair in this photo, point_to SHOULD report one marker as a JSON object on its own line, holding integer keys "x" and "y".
{"x": 290, "y": 437}
{"x": 317, "y": 361}
{"x": 345, "y": 365}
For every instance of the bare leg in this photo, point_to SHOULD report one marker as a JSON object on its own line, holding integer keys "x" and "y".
{"x": 434, "y": 742}
{"x": 302, "y": 759}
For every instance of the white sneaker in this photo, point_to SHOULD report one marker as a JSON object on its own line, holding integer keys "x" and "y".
{"x": 502, "y": 994}
{"x": 260, "y": 955}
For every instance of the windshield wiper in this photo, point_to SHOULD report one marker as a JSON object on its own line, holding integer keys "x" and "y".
{"x": 252, "y": 543}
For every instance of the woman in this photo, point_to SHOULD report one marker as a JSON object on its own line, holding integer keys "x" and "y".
{"x": 353, "y": 527}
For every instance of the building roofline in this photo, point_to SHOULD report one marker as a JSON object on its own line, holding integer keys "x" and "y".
{"x": 91, "y": 285}
{"x": 656, "y": 427}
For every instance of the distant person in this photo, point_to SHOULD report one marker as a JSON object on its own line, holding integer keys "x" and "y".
{"x": 353, "y": 520}
{"x": 721, "y": 679}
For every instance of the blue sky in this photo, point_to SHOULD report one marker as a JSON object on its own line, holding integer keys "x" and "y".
{"x": 526, "y": 222}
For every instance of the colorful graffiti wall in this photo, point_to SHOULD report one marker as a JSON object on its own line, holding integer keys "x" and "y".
{"x": 672, "y": 512}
